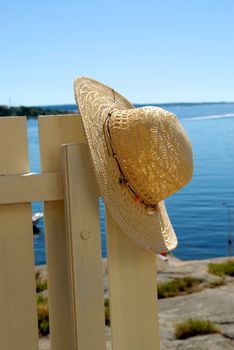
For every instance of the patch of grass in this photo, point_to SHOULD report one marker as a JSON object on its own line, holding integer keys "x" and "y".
{"x": 41, "y": 286}
{"x": 193, "y": 327}
{"x": 217, "y": 282}
{"x": 178, "y": 286}
{"x": 43, "y": 316}
{"x": 107, "y": 311}
{"x": 221, "y": 269}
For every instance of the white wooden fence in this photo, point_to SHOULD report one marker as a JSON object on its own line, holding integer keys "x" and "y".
{"x": 69, "y": 191}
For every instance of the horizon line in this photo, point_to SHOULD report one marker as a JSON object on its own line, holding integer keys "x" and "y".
{"x": 134, "y": 103}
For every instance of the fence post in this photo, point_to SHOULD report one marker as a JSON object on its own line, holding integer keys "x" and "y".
{"x": 84, "y": 247}
{"x": 133, "y": 292}
{"x": 18, "y": 315}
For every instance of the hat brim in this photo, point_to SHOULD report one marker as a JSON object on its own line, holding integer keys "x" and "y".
{"x": 151, "y": 232}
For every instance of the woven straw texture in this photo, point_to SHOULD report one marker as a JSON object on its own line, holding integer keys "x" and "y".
{"x": 149, "y": 146}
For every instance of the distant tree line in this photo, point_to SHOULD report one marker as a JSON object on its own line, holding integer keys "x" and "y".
{"x": 29, "y": 112}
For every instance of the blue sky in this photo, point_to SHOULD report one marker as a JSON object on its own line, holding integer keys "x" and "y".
{"x": 150, "y": 51}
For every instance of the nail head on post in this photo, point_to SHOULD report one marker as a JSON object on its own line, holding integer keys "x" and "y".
{"x": 85, "y": 234}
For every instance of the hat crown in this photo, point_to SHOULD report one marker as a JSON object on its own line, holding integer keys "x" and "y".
{"x": 153, "y": 150}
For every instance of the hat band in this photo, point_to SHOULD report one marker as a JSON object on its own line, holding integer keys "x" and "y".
{"x": 150, "y": 209}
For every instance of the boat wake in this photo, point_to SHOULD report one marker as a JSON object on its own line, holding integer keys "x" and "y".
{"x": 215, "y": 116}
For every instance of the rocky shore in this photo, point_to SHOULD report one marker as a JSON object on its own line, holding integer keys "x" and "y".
{"x": 214, "y": 301}
{"x": 215, "y": 304}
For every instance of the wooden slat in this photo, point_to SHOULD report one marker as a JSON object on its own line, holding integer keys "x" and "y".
{"x": 84, "y": 248}
{"x": 18, "y": 316}
{"x": 58, "y": 130}
{"x": 54, "y": 131}
{"x": 133, "y": 292}
{"x": 31, "y": 188}
{"x": 13, "y": 141}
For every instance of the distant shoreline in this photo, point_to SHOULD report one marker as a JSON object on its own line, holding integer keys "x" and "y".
{"x": 31, "y": 112}
{"x": 34, "y": 111}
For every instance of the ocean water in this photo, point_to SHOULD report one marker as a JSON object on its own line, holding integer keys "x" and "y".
{"x": 197, "y": 212}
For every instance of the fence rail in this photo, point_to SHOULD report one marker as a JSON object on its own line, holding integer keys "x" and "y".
{"x": 68, "y": 188}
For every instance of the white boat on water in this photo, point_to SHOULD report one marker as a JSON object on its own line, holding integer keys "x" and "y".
{"x": 36, "y": 217}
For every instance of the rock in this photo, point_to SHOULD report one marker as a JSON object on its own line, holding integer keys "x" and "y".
{"x": 175, "y": 268}
{"x": 229, "y": 334}
{"x": 41, "y": 272}
{"x": 216, "y": 305}
{"x": 44, "y": 343}
{"x": 204, "y": 342}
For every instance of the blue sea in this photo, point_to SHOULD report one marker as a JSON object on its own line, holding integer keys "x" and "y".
{"x": 199, "y": 212}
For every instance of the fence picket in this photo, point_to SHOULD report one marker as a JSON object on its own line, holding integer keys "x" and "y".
{"x": 18, "y": 316}
{"x": 54, "y": 131}
{"x": 84, "y": 247}
{"x": 133, "y": 292}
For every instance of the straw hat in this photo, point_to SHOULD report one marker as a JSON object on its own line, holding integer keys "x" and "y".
{"x": 140, "y": 156}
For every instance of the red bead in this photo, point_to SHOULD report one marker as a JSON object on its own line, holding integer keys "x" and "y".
{"x": 136, "y": 198}
{"x": 163, "y": 253}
